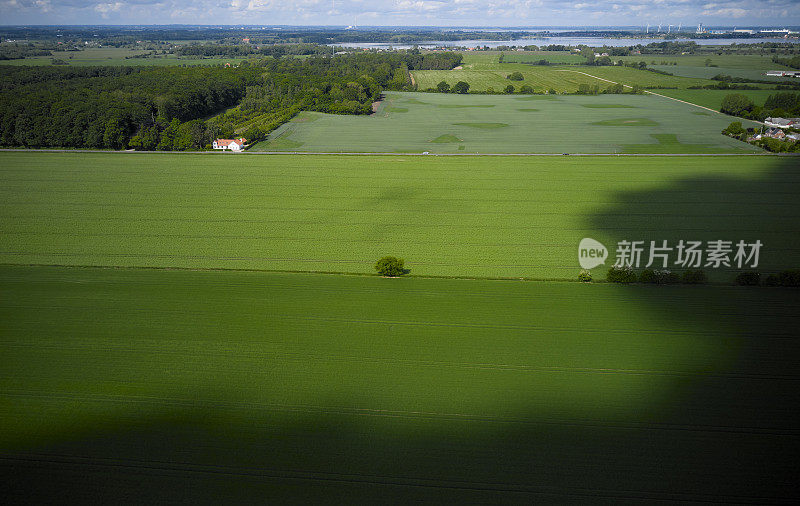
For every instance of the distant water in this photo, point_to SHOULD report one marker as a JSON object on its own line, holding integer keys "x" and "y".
{"x": 567, "y": 41}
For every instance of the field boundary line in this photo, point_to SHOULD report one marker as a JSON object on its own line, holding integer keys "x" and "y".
{"x": 380, "y": 153}
{"x": 653, "y": 93}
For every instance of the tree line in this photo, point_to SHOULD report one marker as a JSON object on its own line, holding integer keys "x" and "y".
{"x": 166, "y": 108}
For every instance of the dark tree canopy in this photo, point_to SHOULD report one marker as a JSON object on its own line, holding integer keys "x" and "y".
{"x": 390, "y": 266}
{"x": 461, "y": 87}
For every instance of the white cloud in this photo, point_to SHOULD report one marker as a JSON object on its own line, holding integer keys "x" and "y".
{"x": 403, "y": 12}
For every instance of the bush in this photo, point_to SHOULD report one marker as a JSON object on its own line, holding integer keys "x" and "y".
{"x": 789, "y": 278}
{"x": 621, "y": 275}
{"x": 697, "y": 277}
{"x": 734, "y": 129}
{"x": 515, "y": 76}
{"x": 659, "y": 277}
{"x": 749, "y": 278}
{"x": 526, "y": 89}
{"x": 461, "y": 87}
{"x": 585, "y": 276}
{"x": 509, "y": 89}
{"x": 390, "y": 266}
{"x": 443, "y": 87}
{"x": 648, "y": 276}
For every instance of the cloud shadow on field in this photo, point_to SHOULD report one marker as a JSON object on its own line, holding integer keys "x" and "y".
{"x": 723, "y": 430}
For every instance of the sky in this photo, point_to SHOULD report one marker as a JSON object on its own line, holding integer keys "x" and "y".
{"x": 498, "y": 13}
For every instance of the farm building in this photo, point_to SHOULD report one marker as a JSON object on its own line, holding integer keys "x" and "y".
{"x": 230, "y": 144}
{"x": 782, "y": 122}
{"x": 783, "y": 73}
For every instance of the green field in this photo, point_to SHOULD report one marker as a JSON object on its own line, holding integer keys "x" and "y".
{"x": 487, "y": 73}
{"x": 452, "y": 123}
{"x": 117, "y": 57}
{"x": 145, "y": 386}
{"x": 713, "y": 98}
{"x": 750, "y": 66}
{"x": 447, "y": 216}
{"x": 535, "y": 56}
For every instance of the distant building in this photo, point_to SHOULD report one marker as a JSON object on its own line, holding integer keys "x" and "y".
{"x": 229, "y": 144}
{"x": 782, "y": 122}
{"x": 783, "y": 73}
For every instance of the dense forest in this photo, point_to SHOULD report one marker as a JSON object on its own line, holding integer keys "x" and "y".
{"x": 174, "y": 108}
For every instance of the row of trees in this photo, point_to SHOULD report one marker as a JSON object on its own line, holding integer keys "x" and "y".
{"x": 780, "y": 105}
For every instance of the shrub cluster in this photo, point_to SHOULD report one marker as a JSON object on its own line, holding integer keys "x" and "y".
{"x": 621, "y": 275}
{"x": 390, "y": 266}
{"x": 788, "y": 278}
{"x": 655, "y": 276}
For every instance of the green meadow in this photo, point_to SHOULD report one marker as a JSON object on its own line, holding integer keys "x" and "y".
{"x": 713, "y": 98}
{"x": 112, "y": 56}
{"x": 749, "y": 66}
{"x": 452, "y": 123}
{"x": 485, "y": 71}
{"x": 515, "y": 217}
{"x": 203, "y": 387}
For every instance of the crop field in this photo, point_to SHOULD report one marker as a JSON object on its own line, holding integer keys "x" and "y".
{"x": 447, "y": 216}
{"x": 562, "y": 79}
{"x": 750, "y": 66}
{"x": 452, "y": 123}
{"x": 116, "y": 57}
{"x": 197, "y": 386}
{"x": 713, "y": 98}
{"x": 535, "y": 56}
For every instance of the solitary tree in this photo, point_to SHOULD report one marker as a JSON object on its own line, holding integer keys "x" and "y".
{"x": 515, "y": 76}
{"x": 510, "y": 89}
{"x": 461, "y": 87}
{"x": 443, "y": 87}
{"x": 390, "y": 266}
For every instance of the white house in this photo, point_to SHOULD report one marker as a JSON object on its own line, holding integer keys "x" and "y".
{"x": 230, "y": 144}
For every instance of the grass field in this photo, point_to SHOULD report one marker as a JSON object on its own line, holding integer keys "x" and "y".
{"x": 713, "y": 98}
{"x": 204, "y": 387}
{"x": 563, "y": 79}
{"x": 115, "y": 57}
{"x": 452, "y": 123}
{"x": 535, "y": 56}
{"x": 447, "y": 216}
{"x": 750, "y": 66}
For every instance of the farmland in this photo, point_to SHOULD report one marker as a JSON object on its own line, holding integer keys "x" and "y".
{"x": 562, "y": 79}
{"x": 713, "y": 98}
{"x": 749, "y": 66}
{"x": 199, "y": 386}
{"x": 118, "y": 56}
{"x": 447, "y": 216}
{"x": 452, "y": 123}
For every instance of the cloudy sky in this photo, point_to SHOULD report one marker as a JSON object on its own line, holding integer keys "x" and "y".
{"x": 405, "y": 12}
